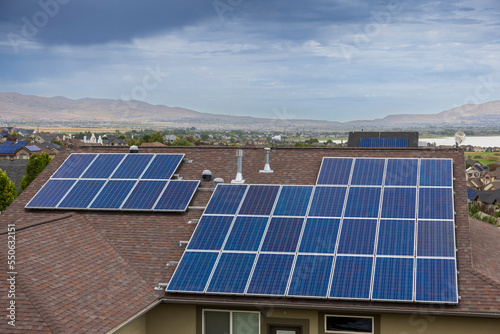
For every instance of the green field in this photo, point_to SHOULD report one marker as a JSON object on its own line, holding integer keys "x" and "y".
{"x": 485, "y": 158}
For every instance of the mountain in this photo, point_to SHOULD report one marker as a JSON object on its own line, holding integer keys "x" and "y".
{"x": 20, "y": 108}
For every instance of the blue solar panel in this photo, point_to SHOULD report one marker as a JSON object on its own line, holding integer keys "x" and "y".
{"x": 335, "y": 171}
{"x": 74, "y": 166}
{"x": 8, "y": 147}
{"x": 368, "y": 172}
{"x": 357, "y": 236}
{"x": 193, "y": 272}
{"x": 82, "y": 194}
{"x": 246, "y": 234}
{"x": 383, "y": 142}
{"x": 271, "y": 274}
{"x": 327, "y": 202}
{"x": 132, "y": 166}
{"x": 436, "y": 172}
{"x": 5, "y": 146}
{"x": 232, "y": 273}
{"x": 113, "y": 194}
{"x": 293, "y": 201}
{"x": 352, "y": 277}
{"x": 51, "y": 193}
{"x": 311, "y": 276}
{"x": 163, "y": 166}
{"x": 282, "y": 235}
{"x": 435, "y": 203}
{"x": 103, "y": 166}
{"x": 436, "y": 280}
{"x": 471, "y": 194}
{"x": 363, "y": 202}
{"x": 393, "y": 279}
{"x": 177, "y": 195}
{"x": 436, "y": 238}
{"x": 226, "y": 199}
{"x": 396, "y": 237}
{"x": 401, "y": 172}
{"x": 320, "y": 235}
{"x": 399, "y": 203}
{"x": 144, "y": 195}
{"x": 210, "y": 233}
{"x": 259, "y": 200}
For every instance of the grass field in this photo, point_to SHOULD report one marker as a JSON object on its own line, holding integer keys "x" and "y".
{"x": 485, "y": 158}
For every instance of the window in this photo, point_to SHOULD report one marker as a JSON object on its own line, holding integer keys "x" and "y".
{"x": 230, "y": 322}
{"x": 348, "y": 324}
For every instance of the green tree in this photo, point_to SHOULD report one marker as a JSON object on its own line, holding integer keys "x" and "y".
{"x": 182, "y": 142}
{"x": 156, "y": 138}
{"x": 8, "y": 192}
{"x": 298, "y": 144}
{"x": 34, "y": 167}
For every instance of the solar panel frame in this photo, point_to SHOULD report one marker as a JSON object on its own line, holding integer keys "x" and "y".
{"x": 82, "y": 192}
{"x": 273, "y": 281}
{"x": 437, "y": 279}
{"x": 368, "y": 172}
{"x": 259, "y": 200}
{"x": 34, "y": 203}
{"x": 98, "y": 167}
{"x": 385, "y": 282}
{"x": 117, "y": 196}
{"x": 347, "y": 164}
{"x": 433, "y": 177}
{"x": 235, "y": 279}
{"x": 199, "y": 279}
{"x": 299, "y": 288}
{"x": 232, "y": 205}
{"x": 62, "y": 173}
{"x": 162, "y": 170}
{"x": 289, "y": 198}
{"x": 186, "y": 195}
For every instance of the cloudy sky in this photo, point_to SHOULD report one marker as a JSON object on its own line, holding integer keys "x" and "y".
{"x": 320, "y": 59}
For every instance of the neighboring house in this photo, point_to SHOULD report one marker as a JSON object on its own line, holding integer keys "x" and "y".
{"x": 47, "y": 137}
{"x": 113, "y": 141}
{"x": 22, "y": 150}
{"x": 82, "y": 271}
{"x": 489, "y": 198}
{"x": 25, "y": 132}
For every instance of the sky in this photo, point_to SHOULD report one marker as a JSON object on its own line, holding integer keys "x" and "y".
{"x": 335, "y": 60}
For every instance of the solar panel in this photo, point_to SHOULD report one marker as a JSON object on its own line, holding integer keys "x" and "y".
{"x": 144, "y": 195}
{"x": 112, "y": 182}
{"x": 436, "y": 280}
{"x": 393, "y": 279}
{"x": 246, "y": 234}
{"x": 327, "y": 202}
{"x": 293, "y": 201}
{"x": 50, "y": 194}
{"x": 232, "y": 273}
{"x": 282, "y": 235}
{"x": 259, "y": 200}
{"x": 368, "y": 172}
{"x": 226, "y": 199}
{"x": 177, "y": 195}
{"x": 383, "y": 142}
{"x": 399, "y": 202}
{"x": 352, "y": 277}
{"x": 210, "y": 233}
{"x": 364, "y": 239}
{"x": 82, "y": 194}
{"x": 436, "y": 172}
{"x": 320, "y": 235}
{"x": 335, "y": 171}
{"x": 193, "y": 271}
{"x": 396, "y": 237}
{"x": 163, "y": 166}
{"x": 357, "y": 236}
{"x": 9, "y": 147}
{"x": 271, "y": 274}
{"x": 103, "y": 166}
{"x": 311, "y": 276}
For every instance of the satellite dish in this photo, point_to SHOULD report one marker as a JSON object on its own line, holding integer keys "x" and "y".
{"x": 459, "y": 137}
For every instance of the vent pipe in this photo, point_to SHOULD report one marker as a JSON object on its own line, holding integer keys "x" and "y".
{"x": 217, "y": 180}
{"x": 239, "y": 175}
{"x": 206, "y": 175}
{"x": 134, "y": 149}
{"x": 267, "y": 167}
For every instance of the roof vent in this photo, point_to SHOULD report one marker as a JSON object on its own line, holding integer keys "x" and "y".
{"x": 217, "y": 180}
{"x": 267, "y": 167}
{"x": 134, "y": 149}
{"x": 239, "y": 175}
{"x": 206, "y": 175}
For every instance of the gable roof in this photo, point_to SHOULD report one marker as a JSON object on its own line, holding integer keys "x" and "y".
{"x": 100, "y": 268}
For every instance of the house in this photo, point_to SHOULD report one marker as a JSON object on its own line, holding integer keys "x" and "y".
{"x": 106, "y": 271}
{"x": 47, "y": 137}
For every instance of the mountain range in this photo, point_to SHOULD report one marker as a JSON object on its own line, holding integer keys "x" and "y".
{"x": 20, "y": 108}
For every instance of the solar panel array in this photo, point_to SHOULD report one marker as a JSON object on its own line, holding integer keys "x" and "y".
{"x": 116, "y": 181}
{"x": 383, "y": 142}
{"x": 370, "y": 229}
{"x": 7, "y": 147}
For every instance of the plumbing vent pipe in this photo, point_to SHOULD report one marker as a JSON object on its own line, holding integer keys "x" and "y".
{"x": 267, "y": 167}
{"x": 134, "y": 149}
{"x": 239, "y": 175}
{"x": 217, "y": 180}
{"x": 206, "y": 175}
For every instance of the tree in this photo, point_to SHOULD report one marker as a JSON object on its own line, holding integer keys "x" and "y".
{"x": 156, "y": 137}
{"x": 182, "y": 142}
{"x": 8, "y": 192}
{"x": 34, "y": 167}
